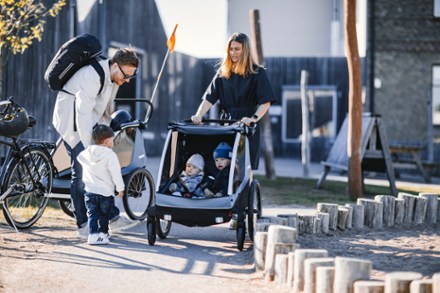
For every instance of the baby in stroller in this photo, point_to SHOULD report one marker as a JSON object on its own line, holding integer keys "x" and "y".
{"x": 192, "y": 181}
{"x": 222, "y": 157}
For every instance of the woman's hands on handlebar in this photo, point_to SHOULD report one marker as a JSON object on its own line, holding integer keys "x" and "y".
{"x": 196, "y": 119}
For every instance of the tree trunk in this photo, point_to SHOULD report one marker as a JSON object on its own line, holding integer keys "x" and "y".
{"x": 266, "y": 133}
{"x": 354, "y": 103}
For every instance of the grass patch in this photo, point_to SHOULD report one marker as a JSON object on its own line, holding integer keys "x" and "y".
{"x": 302, "y": 191}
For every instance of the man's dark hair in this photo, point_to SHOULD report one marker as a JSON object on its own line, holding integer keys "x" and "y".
{"x": 125, "y": 56}
{"x": 101, "y": 132}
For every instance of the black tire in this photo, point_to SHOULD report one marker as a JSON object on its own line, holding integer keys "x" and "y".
{"x": 241, "y": 234}
{"x": 151, "y": 233}
{"x": 139, "y": 194}
{"x": 162, "y": 228}
{"x": 254, "y": 207}
{"x": 67, "y": 207}
{"x": 25, "y": 205}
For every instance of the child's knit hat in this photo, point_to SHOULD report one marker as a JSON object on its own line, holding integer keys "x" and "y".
{"x": 197, "y": 161}
{"x": 223, "y": 150}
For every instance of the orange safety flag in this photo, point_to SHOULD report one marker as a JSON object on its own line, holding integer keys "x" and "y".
{"x": 172, "y": 40}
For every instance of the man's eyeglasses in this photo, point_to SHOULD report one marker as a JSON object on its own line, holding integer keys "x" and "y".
{"x": 125, "y": 75}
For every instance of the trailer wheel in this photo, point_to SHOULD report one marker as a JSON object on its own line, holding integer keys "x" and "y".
{"x": 254, "y": 207}
{"x": 162, "y": 227}
{"x": 151, "y": 231}
{"x": 241, "y": 233}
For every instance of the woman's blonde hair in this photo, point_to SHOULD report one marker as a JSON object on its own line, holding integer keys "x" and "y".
{"x": 245, "y": 65}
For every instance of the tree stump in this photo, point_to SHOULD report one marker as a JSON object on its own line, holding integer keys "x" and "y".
{"x": 324, "y": 279}
{"x": 281, "y": 269}
{"x": 300, "y": 256}
{"x": 310, "y": 266}
{"x": 420, "y": 206}
{"x": 358, "y": 215}
{"x": 373, "y": 213}
{"x": 324, "y": 217}
{"x": 342, "y": 218}
{"x": 370, "y": 286}
{"x": 399, "y": 282}
{"x": 280, "y": 239}
{"x": 260, "y": 244}
{"x": 309, "y": 223}
{"x": 409, "y": 200}
{"x": 349, "y": 270}
{"x": 332, "y": 210}
{"x": 399, "y": 208}
{"x": 388, "y": 209}
{"x": 421, "y": 286}
{"x": 431, "y": 210}
{"x": 292, "y": 220}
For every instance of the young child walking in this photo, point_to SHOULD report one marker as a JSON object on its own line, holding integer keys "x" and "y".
{"x": 222, "y": 157}
{"x": 101, "y": 174}
{"x": 191, "y": 180}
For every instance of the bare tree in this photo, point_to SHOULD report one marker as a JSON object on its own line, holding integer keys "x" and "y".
{"x": 354, "y": 102}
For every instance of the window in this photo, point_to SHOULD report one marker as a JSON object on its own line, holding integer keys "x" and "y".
{"x": 436, "y": 8}
{"x": 436, "y": 95}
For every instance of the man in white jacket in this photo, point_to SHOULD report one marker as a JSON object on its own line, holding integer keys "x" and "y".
{"x": 80, "y": 107}
{"x": 101, "y": 174}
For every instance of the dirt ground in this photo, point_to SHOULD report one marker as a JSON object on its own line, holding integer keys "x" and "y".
{"x": 32, "y": 257}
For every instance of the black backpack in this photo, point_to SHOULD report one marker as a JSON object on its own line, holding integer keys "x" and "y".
{"x": 76, "y": 53}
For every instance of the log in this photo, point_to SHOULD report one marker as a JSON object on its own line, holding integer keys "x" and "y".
{"x": 292, "y": 219}
{"x": 300, "y": 256}
{"x": 281, "y": 269}
{"x": 431, "y": 210}
{"x": 370, "y": 286}
{"x": 349, "y": 217}
{"x": 324, "y": 217}
{"x": 349, "y": 270}
{"x": 324, "y": 279}
{"x": 399, "y": 208}
{"x": 290, "y": 268}
{"x": 309, "y": 223}
{"x": 408, "y": 206}
{"x": 399, "y": 282}
{"x": 277, "y": 236}
{"x": 373, "y": 213}
{"x": 260, "y": 244}
{"x": 310, "y": 266}
{"x": 342, "y": 218}
{"x": 421, "y": 286}
{"x": 332, "y": 210}
{"x": 358, "y": 215}
{"x": 436, "y": 283}
{"x": 420, "y": 205}
{"x": 388, "y": 209}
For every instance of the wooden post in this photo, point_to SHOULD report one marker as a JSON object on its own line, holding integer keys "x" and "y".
{"x": 388, "y": 209}
{"x": 436, "y": 283}
{"x": 260, "y": 244}
{"x": 421, "y": 286}
{"x": 332, "y": 210}
{"x": 342, "y": 218}
{"x": 370, "y": 286}
{"x": 399, "y": 211}
{"x": 349, "y": 270}
{"x": 292, "y": 219}
{"x": 310, "y": 266}
{"x": 306, "y": 135}
{"x": 324, "y": 279}
{"x": 264, "y": 123}
{"x": 349, "y": 217}
{"x": 281, "y": 269}
{"x": 409, "y": 200}
{"x": 309, "y": 223}
{"x": 300, "y": 256}
{"x": 431, "y": 211}
{"x": 358, "y": 215}
{"x": 290, "y": 268}
{"x": 420, "y": 209}
{"x": 324, "y": 217}
{"x": 373, "y": 212}
{"x": 399, "y": 282}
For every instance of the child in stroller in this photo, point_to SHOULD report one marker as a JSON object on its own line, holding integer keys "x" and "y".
{"x": 222, "y": 156}
{"x": 192, "y": 180}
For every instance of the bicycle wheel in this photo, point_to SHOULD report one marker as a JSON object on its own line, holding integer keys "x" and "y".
{"x": 26, "y": 203}
{"x": 139, "y": 193}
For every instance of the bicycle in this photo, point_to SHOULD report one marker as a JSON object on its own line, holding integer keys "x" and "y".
{"x": 27, "y": 171}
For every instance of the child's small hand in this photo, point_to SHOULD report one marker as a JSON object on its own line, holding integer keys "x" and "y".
{"x": 218, "y": 194}
{"x": 173, "y": 187}
{"x": 208, "y": 193}
{"x": 120, "y": 194}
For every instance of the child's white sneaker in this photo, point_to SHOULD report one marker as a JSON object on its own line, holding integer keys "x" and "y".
{"x": 98, "y": 239}
{"x": 82, "y": 232}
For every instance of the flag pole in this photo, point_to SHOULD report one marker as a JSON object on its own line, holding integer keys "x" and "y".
{"x": 170, "y": 44}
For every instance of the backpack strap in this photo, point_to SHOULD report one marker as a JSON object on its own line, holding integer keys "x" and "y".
{"x": 100, "y": 71}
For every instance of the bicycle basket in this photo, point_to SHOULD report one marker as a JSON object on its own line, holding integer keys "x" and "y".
{"x": 14, "y": 120}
